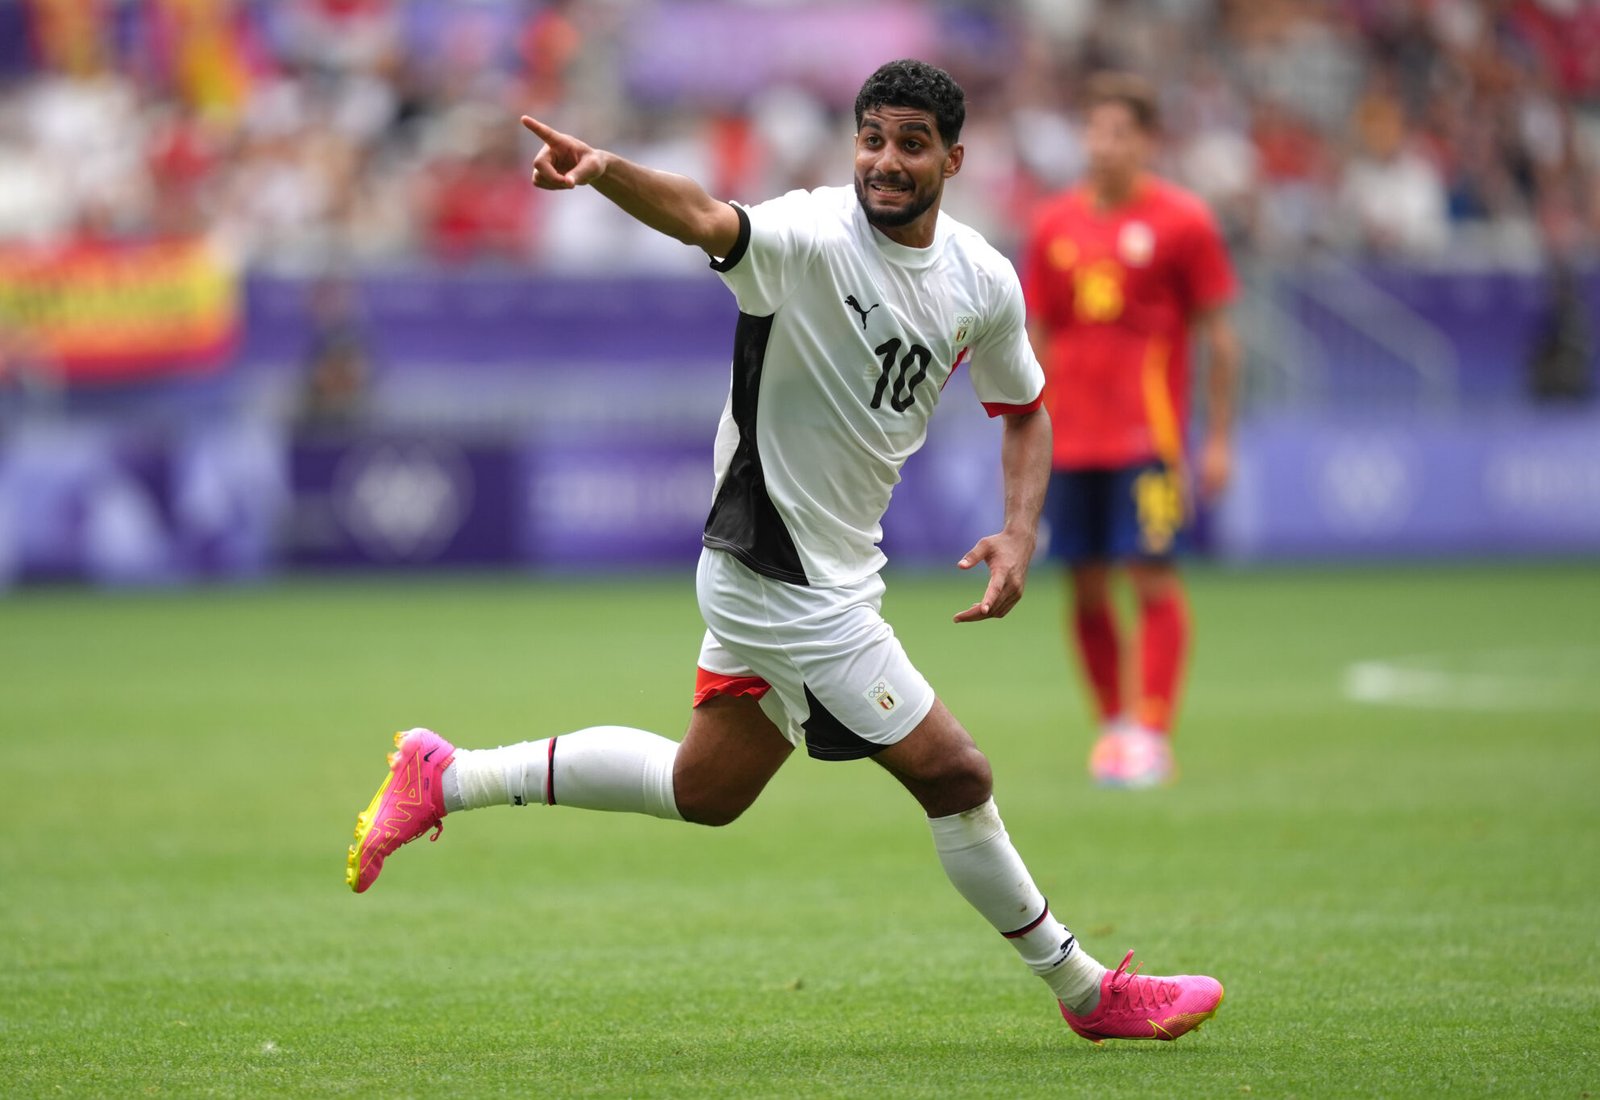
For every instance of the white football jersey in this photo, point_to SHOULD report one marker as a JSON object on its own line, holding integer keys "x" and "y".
{"x": 844, "y": 342}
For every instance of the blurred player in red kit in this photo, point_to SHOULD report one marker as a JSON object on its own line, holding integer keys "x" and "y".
{"x": 1118, "y": 273}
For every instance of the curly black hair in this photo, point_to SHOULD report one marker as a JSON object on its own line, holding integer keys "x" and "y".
{"x": 920, "y": 86}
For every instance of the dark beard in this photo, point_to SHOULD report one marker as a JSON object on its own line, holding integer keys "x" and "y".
{"x": 897, "y": 218}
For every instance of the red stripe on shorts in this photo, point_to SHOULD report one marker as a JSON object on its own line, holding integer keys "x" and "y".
{"x": 707, "y": 684}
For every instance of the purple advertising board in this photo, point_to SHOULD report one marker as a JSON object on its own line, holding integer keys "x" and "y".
{"x": 524, "y": 421}
{"x": 117, "y": 506}
{"x": 240, "y": 500}
{"x": 1515, "y": 484}
{"x": 397, "y": 500}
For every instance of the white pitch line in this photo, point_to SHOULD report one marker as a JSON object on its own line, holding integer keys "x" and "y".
{"x": 1498, "y": 680}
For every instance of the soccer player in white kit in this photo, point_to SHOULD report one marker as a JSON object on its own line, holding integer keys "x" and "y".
{"x": 855, "y": 307}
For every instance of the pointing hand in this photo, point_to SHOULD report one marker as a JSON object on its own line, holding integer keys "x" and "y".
{"x": 564, "y": 162}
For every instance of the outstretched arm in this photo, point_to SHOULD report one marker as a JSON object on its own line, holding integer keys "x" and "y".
{"x": 668, "y": 203}
{"x": 1025, "y": 460}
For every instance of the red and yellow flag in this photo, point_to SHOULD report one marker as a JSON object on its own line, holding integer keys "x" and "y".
{"x": 121, "y": 311}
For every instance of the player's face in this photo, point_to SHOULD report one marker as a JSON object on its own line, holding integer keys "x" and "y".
{"x": 901, "y": 166}
{"x": 1117, "y": 148}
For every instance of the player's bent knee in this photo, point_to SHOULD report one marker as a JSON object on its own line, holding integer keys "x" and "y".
{"x": 714, "y": 811}
{"x": 960, "y": 781}
{"x": 966, "y": 764}
{"x": 970, "y": 780}
{"x": 715, "y": 818}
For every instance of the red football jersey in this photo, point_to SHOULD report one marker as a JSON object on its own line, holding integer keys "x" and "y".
{"x": 1115, "y": 290}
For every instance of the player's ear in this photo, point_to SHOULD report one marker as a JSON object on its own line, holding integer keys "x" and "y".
{"x": 952, "y": 159}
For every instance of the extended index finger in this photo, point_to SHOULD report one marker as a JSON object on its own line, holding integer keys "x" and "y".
{"x": 540, "y": 130}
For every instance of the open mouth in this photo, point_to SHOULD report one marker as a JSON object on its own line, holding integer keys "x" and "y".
{"x": 888, "y": 188}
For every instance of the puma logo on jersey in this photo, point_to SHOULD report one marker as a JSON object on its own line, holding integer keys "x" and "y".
{"x": 850, "y": 301}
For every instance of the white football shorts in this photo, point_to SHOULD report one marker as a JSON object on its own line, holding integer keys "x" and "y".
{"x": 827, "y": 668}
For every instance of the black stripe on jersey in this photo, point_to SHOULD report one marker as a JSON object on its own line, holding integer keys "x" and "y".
{"x": 827, "y": 738}
{"x": 743, "y": 520}
{"x": 740, "y": 246}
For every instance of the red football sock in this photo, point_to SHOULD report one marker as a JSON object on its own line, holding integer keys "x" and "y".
{"x": 1163, "y": 645}
{"x": 1100, "y": 647}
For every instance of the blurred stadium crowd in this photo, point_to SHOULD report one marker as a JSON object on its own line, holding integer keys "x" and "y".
{"x": 307, "y": 132}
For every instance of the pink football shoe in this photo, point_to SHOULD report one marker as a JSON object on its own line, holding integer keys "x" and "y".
{"x": 1133, "y": 759}
{"x": 1133, "y": 1006}
{"x": 1105, "y": 759}
{"x": 410, "y": 802}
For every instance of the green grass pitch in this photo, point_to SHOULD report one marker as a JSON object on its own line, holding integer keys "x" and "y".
{"x": 1385, "y": 842}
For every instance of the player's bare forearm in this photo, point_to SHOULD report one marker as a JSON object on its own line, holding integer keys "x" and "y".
{"x": 1223, "y": 356}
{"x": 666, "y": 202}
{"x": 1222, "y": 375}
{"x": 1025, "y": 462}
{"x": 671, "y": 204}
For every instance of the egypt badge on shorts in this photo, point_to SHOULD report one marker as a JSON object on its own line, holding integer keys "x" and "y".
{"x": 882, "y": 696}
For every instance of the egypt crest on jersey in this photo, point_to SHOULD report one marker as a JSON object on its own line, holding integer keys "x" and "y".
{"x": 844, "y": 342}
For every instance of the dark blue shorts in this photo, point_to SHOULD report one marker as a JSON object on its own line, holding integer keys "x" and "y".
{"x": 1128, "y": 513}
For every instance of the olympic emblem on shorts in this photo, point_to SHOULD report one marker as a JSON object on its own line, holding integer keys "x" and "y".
{"x": 882, "y": 696}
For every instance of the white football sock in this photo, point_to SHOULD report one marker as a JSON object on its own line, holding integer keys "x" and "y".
{"x": 982, "y": 864}
{"x": 599, "y": 768}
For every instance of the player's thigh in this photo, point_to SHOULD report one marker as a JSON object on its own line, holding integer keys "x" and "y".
{"x": 840, "y": 681}
{"x": 1091, "y": 584}
{"x": 1154, "y": 579}
{"x": 940, "y": 765}
{"x": 730, "y": 752}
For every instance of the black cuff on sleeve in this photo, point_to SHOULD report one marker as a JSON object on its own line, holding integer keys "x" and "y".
{"x": 736, "y": 253}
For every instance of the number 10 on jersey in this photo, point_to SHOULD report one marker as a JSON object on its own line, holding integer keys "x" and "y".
{"x": 904, "y": 391}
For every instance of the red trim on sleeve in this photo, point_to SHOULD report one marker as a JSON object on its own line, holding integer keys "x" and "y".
{"x": 550, "y": 774}
{"x": 995, "y": 408}
{"x": 707, "y": 684}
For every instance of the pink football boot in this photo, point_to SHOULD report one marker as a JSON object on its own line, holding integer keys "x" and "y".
{"x": 1133, "y": 1006}
{"x": 1132, "y": 759}
{"x": 410, "y": 802}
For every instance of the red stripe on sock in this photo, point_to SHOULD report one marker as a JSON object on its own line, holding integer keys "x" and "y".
{"x": 550, "y": 775}
{"x": 1030, "y": 926}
